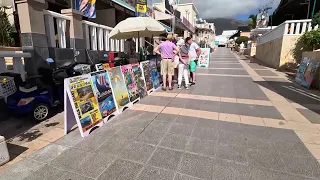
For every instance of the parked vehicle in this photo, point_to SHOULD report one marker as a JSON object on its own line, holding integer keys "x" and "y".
{"x": 39, "y": 94}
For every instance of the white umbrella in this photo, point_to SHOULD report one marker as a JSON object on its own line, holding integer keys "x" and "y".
{"x": 135, "y": 27}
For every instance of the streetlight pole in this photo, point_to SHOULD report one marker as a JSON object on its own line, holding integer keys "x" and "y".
{"x": 309, "y": 2}
{"x": 173, "y": 5}
{"x": 314, "y": 8}
{"x": 173, "y": 22}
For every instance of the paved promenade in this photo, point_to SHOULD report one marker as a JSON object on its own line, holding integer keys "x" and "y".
{"x": 240, "y": 122}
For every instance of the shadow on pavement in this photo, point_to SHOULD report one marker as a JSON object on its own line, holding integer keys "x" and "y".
{"x": 297, "y": 94}
{"x": 22, "y": 127}
{"x": 15, "y": 150}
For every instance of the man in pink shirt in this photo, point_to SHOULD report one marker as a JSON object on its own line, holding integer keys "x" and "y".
{"x": 166, "y": 50}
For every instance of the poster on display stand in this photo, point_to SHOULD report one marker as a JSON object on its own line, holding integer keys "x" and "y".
{"x": 159, "y": 70}
{"x": 204, "y": 57}
{"x": 102, "y": 66}
{"x": 119, "y": 89}
{"x": 307, "y": 72}
{"x": 145, "y": 66}
{"x": 103, "y": 91}
{"x": 130, "y": 83}
{"x": 154, "y": 74}
{"x": 140, "y": 82}
{"x": 81, "y": 105}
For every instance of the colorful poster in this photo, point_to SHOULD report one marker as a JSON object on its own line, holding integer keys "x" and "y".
{"x": 307, "y": 72}
{"x": 119, "y": 87}
{"x": 204, "y": 57}
{"x": 159, "y": 69}
{"x": 145, "y": 66}
{"x": 103, "y": 91}
{"x": 154, "y": 73}
{"x": 106, "y": 66}
{"x": 88, "y": 7}
{"x": 84, "y": 103}
{"x": 141, "y": 84}
{"x": 99, "y": 67}
{"x": 130, "y": 82}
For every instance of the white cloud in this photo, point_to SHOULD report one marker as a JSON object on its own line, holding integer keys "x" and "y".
{"x": 230, "y": 8}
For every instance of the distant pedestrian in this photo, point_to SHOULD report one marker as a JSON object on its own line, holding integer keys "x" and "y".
{"x": 242, "y": 48}
{"x": 194, "y": 53}
{"x": 183, "y": 63}
{"x": 166, "y": 50}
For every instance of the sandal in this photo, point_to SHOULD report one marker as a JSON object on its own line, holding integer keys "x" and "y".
{"x": 164, "y": 88}
{"x": 170, "y": 88}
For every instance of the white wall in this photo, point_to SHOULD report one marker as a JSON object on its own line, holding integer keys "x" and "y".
{"x": 184, "y": 8}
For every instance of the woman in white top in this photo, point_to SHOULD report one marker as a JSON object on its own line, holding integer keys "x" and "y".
{"x": 183, "y": 67}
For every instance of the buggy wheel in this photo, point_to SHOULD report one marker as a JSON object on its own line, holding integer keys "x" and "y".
{"x": 41, "y": 112}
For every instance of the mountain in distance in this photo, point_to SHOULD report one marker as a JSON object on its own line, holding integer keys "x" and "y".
{"x": 222, "y": 24}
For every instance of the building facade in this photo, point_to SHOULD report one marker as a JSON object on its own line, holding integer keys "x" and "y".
{"x": 294, "y": 10}
{"x": 205, "y": 34}
{"x": 184, "y": 17}
{"x": 52, "y": 28}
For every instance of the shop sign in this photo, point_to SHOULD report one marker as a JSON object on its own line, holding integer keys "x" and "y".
{"x": 141, "y": 8}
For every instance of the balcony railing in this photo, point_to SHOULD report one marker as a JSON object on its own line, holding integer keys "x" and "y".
{"x": 97, "y": 38}
{"x": 291, "y": 27}
{"x": 96, "y": 35}
{"x": 56, "y": 37}
{"x": 13, "y": 62}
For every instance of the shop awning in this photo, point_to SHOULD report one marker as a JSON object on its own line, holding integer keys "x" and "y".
{"x": 124, "y": 4}
{"x": 168, "y": 29}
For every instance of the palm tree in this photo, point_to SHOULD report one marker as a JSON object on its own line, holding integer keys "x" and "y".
{"x": 253, "y": 21}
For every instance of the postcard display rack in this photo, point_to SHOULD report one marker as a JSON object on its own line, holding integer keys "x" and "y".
{"x": 91, "y": 100}
{"x": 204, "y": 58}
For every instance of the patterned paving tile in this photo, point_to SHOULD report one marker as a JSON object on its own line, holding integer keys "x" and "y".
{"x": 196, "y": 166}
{"x": 166, "y": 159}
